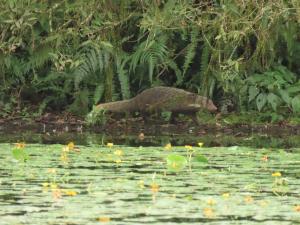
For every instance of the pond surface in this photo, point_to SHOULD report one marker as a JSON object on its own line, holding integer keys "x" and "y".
{"x": 133, "y": 185}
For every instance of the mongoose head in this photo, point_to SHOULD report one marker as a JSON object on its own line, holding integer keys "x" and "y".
{"x": 207, "y": 103}
{"x": 211, "y": 106}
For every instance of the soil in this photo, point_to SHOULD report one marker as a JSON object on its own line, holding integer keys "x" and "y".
{"x": 66, "y": 122}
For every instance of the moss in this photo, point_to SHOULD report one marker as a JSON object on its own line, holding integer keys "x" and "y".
{"x": 295, "y": 120}
{"x": 258, "y": 118}
{"x": 205, "y": 117}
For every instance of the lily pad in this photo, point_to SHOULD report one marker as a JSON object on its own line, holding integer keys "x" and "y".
{"x": 176, "y": 162}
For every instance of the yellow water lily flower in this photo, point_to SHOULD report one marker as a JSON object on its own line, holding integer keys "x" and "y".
{"x": 56, "y": 194}
{"x": 20, "y": 145}
{"x": 53, "y": 186}
{"x": 276, "y": 174}
{"x": 118, "y": 161}
{"x": 211, "y": 202}
{"x": 118, "y": 152}
{"x": 141, "y": 184}
{"x": 70, "y": 192}
{"x": 200, "y": 144}
{"x": 265, "y": 158}
{"x": 45, "y": 184}
{"x": 226, "y": 195}
{"x": 248, "y": 199}
{"x": 71, "y": 145}
{"x": 263, "y": 203}
{"x": 104, "y": 219}
{"x": 154, "y": 187}
{"x": 51, "y": 170}
{"x": 174, "y": 165}
{"x": 208, "y": 212}
{"x": 110, "y": 144}
{"x": 297, "y": 208}
{"x": 168, "y": 146}
{"x": 66, "y": 149}
{"x": 189, "y": 147}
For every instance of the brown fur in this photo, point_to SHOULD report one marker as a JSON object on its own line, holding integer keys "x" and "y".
{"x": 159, "y": 99}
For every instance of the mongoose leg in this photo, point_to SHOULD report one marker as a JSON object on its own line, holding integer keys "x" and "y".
{"x": 195, "y": 118}
{"x": 173, "y": 117}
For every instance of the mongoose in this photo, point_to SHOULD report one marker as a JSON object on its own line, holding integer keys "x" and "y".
{"x": 159, "y": 99}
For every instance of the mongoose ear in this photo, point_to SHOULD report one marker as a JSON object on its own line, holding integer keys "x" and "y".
{"x": 193, "y": 96}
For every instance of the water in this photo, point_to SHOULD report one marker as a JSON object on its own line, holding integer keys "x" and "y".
{"x": 132, "y": 185}
{"x": 157, "y": 138}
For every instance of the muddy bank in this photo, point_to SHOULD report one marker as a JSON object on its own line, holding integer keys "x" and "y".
{"x": 134, "y": 132}
{"x": 57, "y": 123}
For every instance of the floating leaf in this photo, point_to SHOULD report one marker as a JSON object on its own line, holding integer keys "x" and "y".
{"x": 200, "y": 158}
{"x": 19, "y": 154}
{"x": 176, "y": 162}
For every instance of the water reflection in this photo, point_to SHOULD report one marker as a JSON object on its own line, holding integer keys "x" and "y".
{"x": 213, "y": 139}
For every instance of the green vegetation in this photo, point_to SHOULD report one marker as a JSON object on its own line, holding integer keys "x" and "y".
{"x": 70, "y": 55}
{"x": 187, "y": 184}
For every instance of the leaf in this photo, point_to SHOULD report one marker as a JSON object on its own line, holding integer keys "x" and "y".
{"x": 255, "y": 79}
{"x": 293, "y": 89}
{"x": 261, "y": 100}
{"x": 200, "y": 158}
{"x": 98, "y": 93}
{"x": 191, "y": 49}
{"x": 253, "y": 92}
{"x": 273, "y": 100}
{"x": 296, "y": 103}
{"x": 285, "y": 96}
{"x": 286, "y": 74}
{"x": 179, "y": 77}
{"x": 123, "y": 77}
{"x": 19, "y": 154}
{"x": 176, "y": 162}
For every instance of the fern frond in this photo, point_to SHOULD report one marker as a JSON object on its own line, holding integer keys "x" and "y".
{"x": 191, "y": 49}
{"x": 149, "y": 54}
{"x": 178, "y": 73}
{"x": 40, "y": 56}
{"x": 204, "y": 59}
{"x": 53, "y": 76}
{"x": 123, "y": 77}
{"x": 94, "y": 63}
{"x": 98, "y": 93}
